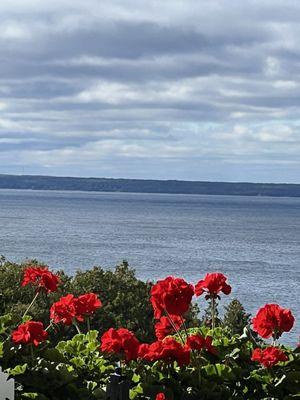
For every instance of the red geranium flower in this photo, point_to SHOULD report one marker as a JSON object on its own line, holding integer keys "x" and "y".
{"x": 269, "y": 356}
{"x": 213, "y": 284}
{"x": 69, "y": 308}
{"x": 164, "y": 327}
{"x": 87, "y": 304}
{"x": 172, "y": 295}
{"x": 30, "y": 332}
{"x": 64, "y": 310}
{"x": 273, "y": 320}
{"x": 168, "y": 350}
{"x": 172, "y": 350}
{"x": 41, "y": 277}
{"x": 160, "y": 396}
{"x": 198, "y": 342}
{"x": 120, "y": 341}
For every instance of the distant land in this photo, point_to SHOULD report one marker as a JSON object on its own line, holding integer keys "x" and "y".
{"x": 38, "y": 182}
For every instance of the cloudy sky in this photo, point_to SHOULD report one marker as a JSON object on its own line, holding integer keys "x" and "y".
{"x": 196, "y": 90}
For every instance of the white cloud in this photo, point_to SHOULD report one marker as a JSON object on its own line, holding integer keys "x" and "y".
{"x": 12, "y": 30}
{"x": 98, "y": 84}
{"x": 272, "y": 66}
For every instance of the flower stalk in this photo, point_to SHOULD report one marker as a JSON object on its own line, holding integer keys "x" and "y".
{"x": 30, "y": 305}
{"x": 76, "y": 326}
{"x": 213, "y": 312}
{"x": 174, "y": 326}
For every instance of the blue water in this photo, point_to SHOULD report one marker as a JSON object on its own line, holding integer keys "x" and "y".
{"x": 253, "y": 240}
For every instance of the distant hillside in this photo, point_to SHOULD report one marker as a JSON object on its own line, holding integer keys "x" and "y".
{"x": 36, "y": 182}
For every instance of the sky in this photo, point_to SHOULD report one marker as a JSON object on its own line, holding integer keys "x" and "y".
{"x": 194, "y": 90}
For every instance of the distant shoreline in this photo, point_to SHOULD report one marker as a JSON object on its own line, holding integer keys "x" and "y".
{"x": 41, "y": 182}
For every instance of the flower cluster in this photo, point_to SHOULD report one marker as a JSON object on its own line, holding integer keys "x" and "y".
{"x": 213, "y": 284}
{"x": 269, "y": 356}
{"x": 272, "y": 320}
{"x": 198, "y": 342}
{"x": 70, "y": 308}
{"x": 172, "y": 296}
{"x": 120, "y": 341}
{"x": 167, "y": 326}
{"x": 171, "y": 299}
{"x": 31, "y": 332}
{"x": 41, "y": 277}
{"x": 167, "y": 350}
{"x": 124, "y": 342}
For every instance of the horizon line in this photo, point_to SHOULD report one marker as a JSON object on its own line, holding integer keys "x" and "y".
{"x": 147, "y": 179}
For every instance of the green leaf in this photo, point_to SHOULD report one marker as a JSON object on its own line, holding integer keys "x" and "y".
{"x": 135, "y": 392}
{"x": 78, "y": 362}
{"x": 17, "y": 370}
{"x": 219, "y": 370}
{"x": 53, "y": 354}
{"x": 29, "y": 395}
{"x": 92, "y": 336}
{"x": 235, "y": 353}
{"x": 91, "y": 385}
{"x": 136, "y": 378}
{"x": 5, "y": 322}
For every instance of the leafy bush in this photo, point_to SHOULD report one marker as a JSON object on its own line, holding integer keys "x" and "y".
{"x": 235, "y": 317}
{"x": 125, "y": 298}
{"x": 52, "y": 361}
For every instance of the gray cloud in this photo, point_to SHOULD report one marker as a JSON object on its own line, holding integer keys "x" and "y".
{"x": 175, "y": 89}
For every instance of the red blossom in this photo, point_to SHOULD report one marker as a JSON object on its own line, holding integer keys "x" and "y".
{"x": 272, "y": 320}
{"x": 64, "y": 310}
{"x": 213, "y": 284}
{"x": 41, "y": 277}
{"x": 120, "y": 341}
{"x": 171, "y": 295}
{"x": 87, "y": 304}
{"x": 164, "y": 327}
{"x": 70, "y": 308}
{"x": 160, "y": 396}
{"x": 168, "y": 350}
{"x": 198, "y": 342}
{"x": 30, "y": 332}
{"x": 269, "y": 356}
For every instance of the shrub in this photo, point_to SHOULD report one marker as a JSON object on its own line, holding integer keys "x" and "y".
{"x": 125, "y": 298}
{"x": 235, "y": 317}
{"x": 185, "y": 364}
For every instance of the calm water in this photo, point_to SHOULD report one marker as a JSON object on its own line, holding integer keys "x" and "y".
{"x": 255, "y": 241}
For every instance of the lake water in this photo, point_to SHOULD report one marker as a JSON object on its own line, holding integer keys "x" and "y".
{"x": 255, "y": 241}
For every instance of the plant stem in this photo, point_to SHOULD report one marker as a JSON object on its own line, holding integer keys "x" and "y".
{"x": 174, "y": 326}
{"x": 49, "y": 326}
{"x": 185, "y": 328}
{"x": 76, "y": 326}
{"x": 213, "y": 312}
{"x": 31, "y": 304}
{"x": 88, "y": 322}
{"x": 31, "y": 352}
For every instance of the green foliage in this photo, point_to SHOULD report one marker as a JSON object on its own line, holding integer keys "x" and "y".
{"x": 125, "y": 299}
{"x": 14, "y": 299}
{"x": 207, "y": 317}
{"x": 235, "y": 317}
{"x": 76, "y": 369}
{"x": 73, "y": 369}
{"x": 37, "y": 182}
{"x": 229, "y": 374}
{"x": 71, "y": 365}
